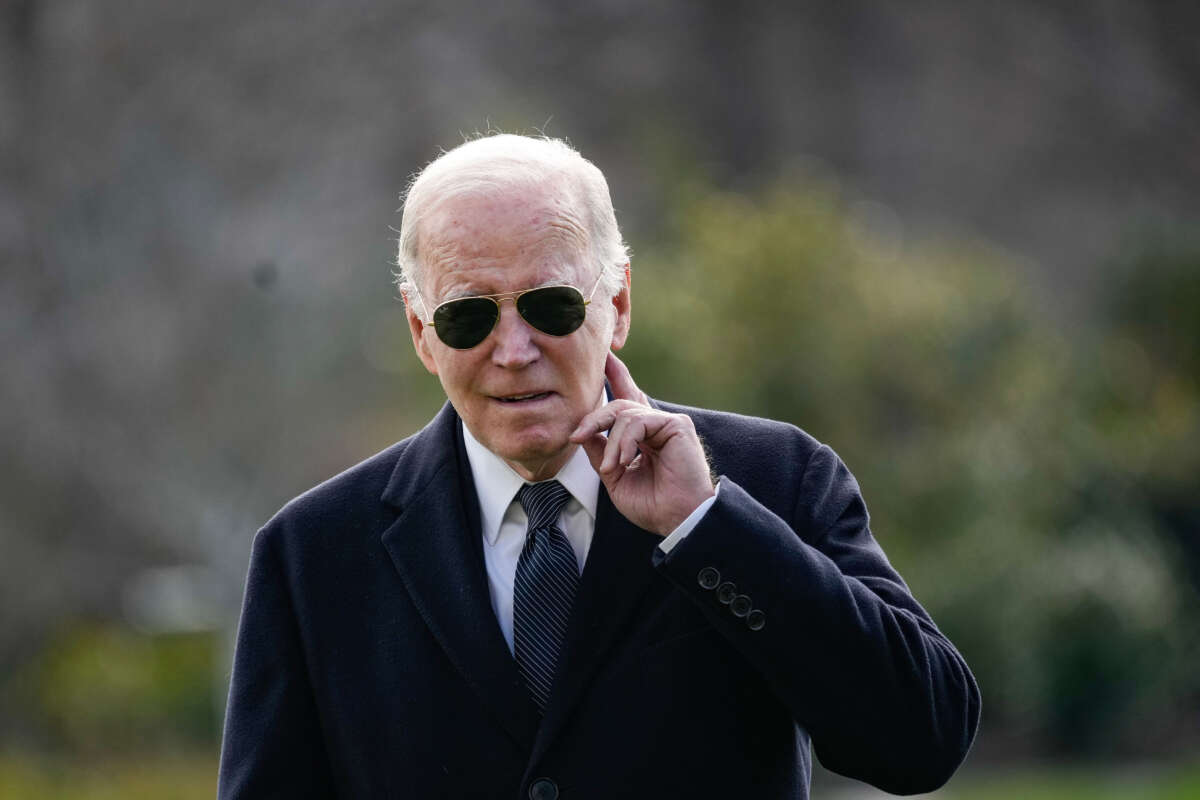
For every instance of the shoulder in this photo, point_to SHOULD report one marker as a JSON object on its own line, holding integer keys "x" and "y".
{"x": 782, "y": 466}
{"x": 350, "y": 491}
{"x": 317, "y": 534}
{"x": 733, "y": 438}
{"x": 336, "y": 520}
{"x": 368, "y": 493}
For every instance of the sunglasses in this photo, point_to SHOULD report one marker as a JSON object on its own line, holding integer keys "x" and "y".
{"x": 555, "y": 310}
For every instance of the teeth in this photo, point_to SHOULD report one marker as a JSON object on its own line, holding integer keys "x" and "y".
{"x": 522, "y": 397}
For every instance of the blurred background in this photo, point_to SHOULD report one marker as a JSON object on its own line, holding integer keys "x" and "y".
{"x": 958, "y": 242}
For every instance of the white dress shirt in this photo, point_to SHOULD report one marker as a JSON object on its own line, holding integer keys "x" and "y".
{"x": 504, "y": 520}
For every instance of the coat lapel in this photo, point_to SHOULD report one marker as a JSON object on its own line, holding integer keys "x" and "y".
{"x": 434, "y": 547}
{"x": 616, "y": 576}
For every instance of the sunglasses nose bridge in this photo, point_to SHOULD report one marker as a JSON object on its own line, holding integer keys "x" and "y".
{"x": 513, "y": 338}
{"x": 499, "y": 299}
{"x": 513, "y": 298}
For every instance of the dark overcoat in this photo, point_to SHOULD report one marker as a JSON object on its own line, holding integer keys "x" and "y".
{"x": 369, "y": 663}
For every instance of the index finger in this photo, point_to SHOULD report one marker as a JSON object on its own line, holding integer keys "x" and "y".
{"x": 621, "y": 381}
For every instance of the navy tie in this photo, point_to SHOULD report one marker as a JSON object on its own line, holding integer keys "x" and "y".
{"x": 547, "y": 574}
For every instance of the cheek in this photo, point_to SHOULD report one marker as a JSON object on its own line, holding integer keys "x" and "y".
{"x": 585, "y": 364}
{"x": 454, "y": 375}
{"x": 460, "y": 376}
{"x": 604, "y": 325}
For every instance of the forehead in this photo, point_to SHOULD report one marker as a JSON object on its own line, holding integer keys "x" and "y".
{"x": 522, "y": 237}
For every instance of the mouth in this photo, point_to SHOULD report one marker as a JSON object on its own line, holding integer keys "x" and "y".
{"x": 522, "y": 399}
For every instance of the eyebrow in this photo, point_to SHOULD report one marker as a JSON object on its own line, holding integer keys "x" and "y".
{"x": 463, "y": 295}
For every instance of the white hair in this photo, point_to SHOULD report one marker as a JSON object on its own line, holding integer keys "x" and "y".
{"x": 505, "y": 161}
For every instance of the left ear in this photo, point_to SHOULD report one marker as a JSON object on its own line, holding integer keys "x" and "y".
{"x": 622, "y": 304}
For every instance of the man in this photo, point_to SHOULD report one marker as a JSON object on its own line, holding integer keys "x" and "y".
{"x": 545, "y": 593}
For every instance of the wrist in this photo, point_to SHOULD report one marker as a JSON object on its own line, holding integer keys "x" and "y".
{"x": 688, "y": 513}
{"x": 684, "y": 529}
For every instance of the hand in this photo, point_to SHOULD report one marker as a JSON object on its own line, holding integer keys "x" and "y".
{"x": 652, "y": 462}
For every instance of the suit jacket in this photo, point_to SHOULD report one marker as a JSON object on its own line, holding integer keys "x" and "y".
{"x": 369, "y": 663}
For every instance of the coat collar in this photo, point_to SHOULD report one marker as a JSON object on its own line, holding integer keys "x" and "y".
{"x": 435, "y": 546}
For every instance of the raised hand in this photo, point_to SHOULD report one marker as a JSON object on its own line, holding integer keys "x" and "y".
{"x": 652, "y": 462}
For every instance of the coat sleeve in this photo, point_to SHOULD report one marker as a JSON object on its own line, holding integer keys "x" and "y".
{"x": 817, "y": 609}
{"x": 272, "y": 745}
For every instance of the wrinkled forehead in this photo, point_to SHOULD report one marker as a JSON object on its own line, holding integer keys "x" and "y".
{"x": 495, "y": 236}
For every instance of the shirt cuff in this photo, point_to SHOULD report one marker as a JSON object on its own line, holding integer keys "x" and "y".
{"x": 685, "y": 527}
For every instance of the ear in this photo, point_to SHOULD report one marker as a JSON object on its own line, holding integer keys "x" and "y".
{"x": 417, "y": 328}
{"x": 622, "y": 304}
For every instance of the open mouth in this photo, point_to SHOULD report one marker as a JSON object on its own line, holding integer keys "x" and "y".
{"x": 524, "y": 398}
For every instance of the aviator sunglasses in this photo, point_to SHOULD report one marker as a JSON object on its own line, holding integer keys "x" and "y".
{"x": 555, "y": 310}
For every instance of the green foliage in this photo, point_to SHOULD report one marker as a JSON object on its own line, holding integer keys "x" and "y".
{"x": 1147, "y": 387}
{"x": 1002, "y": 464}
{"x": 1127, "y": 782}
{"x": 146, "y": 777}
{"x": 104, "y": 689}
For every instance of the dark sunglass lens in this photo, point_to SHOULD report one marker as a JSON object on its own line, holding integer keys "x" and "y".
{"x": 462, "y": 324}
{"x": 556, "y": 310}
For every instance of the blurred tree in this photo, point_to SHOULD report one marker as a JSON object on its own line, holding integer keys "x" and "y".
{"x": 995, "y": 473}
{"x": 99, "y": 689}
{"x": 1149, "y": 383}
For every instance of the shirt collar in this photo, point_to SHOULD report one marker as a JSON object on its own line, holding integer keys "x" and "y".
{"x": 497, "y": 484}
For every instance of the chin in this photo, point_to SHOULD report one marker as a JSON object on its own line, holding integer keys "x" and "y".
{"x": 533, "y": 452}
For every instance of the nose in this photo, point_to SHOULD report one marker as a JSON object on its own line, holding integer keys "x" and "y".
{"x": 513, "y": 347}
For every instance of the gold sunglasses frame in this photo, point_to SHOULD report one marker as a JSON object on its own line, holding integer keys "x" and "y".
{"x": 514, "y": 296}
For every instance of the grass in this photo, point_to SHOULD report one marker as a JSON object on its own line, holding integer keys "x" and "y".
{"x": 191, "y": 776}
{"x": 129, "y": 778}
{"x": 1057, "y": 782}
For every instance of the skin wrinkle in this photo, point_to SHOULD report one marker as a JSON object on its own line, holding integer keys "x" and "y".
{"x": 500, "y": 166}
{"x": 556, "y": 227}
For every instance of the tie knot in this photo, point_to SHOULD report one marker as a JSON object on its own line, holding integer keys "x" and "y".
{"x": 543, "y": 502}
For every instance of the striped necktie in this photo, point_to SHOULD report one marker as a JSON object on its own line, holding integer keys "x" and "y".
{"x": 547, "y": 574}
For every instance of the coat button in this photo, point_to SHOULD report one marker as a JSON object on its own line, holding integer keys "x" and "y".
{"x": 709, "y": 578}
{"x": 726, "y": 592}
{"x": 740, "y": 605}
{"x": 756, "y": 620}
{"x": 543, "y": 789}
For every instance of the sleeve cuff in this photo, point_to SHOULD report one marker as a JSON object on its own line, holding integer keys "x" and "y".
{"x": 680, "y": 533}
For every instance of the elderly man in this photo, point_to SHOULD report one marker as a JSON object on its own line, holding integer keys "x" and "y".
{"x": 545, "y": 592}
